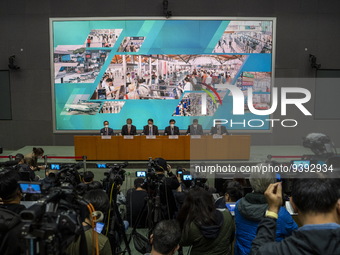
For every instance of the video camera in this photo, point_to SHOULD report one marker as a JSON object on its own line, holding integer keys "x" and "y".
{"x": 320, "y": 144}
{"x": 116, "y": 174}
{"x": 54, "y": 222}
{"x": 63, "y": 173}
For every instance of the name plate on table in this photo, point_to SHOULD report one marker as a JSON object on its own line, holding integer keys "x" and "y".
{"x": 128, "y": 137}
{"x": 107, "y": 137}
{"x": 196, "y": 136}
{"x": 173, "y": 136}
{"x": 150, "y": 137}
{"x": 217, "y": 136}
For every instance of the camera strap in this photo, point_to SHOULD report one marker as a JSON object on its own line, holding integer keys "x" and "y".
{"x": 83, "y": 243}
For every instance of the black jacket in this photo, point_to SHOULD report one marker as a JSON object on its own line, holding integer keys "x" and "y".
{"x": 154, "y": 130}
{"x": 10, "y": 230}
{"x": 133, "y": 130}
{"x": 167, "y": 130}
{"x": 310, "y": 239}
{"x": 108, "y": 132}
{"x": 195, "y": 131}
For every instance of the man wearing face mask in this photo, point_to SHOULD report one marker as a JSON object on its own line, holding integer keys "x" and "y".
{"x": 129, "y": 129}
{"x": 106, "y": 130}
{"x": 150, "y": 129}
{"x": 195, "y": 128}
{"x": 218, "y": 129}
{"x": 172, "y": 129}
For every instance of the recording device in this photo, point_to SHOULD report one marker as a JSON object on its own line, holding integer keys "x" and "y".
{"x": 30, "y": 187}
{"x": 55, "y": 221}
{"x": 67, "y": 174}
{"x": 300, "y": 165}
{"x": 141, "y": 174}
{"x": 101, "y": 166}
{"x": 320, "y": 144}
{"x": 99, "y": 227}
{"x": 231, "y": 207}
{"x": 187, "y": 177}
{"x": 116, "y": 175}
{"x": 55, "y": 167}
{"x": 114, "y": 224}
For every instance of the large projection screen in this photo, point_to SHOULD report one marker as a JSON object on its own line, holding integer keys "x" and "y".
{"x": 179, "y": 68}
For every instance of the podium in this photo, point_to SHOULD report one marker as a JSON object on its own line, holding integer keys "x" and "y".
{"x": 235, "y": 147}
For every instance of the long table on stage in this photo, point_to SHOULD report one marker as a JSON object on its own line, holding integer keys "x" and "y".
{"x": 229, "y": 147}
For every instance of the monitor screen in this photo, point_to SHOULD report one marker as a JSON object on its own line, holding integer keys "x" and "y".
{"x": 55, "y": 167}
{"x": 161, "y": 69}
{"x": 30, "y": 188}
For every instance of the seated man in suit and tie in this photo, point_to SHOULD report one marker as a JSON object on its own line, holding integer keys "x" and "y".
{"x": 129, "y": 129}
{"x": 195, "y": 128}
{"x": 106, "y": 130}
{"x": 218, "y": 129}
{"x": 172, "y": 129}
{"x": 150, "y": 129}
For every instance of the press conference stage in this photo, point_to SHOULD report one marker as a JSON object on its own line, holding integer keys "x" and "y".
{"x": 232, "y": 147}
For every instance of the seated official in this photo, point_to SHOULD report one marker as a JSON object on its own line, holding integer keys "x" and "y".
{"x": 207, "y": 230}
{"x": 129, "y": 129}
{"x": 317, "y": 203}
{"x": 219, "y": 130}
{"x": 195, "y": 128}
{"x": 135, "y": 200}
{"x": 165, "y": 238}
{"x": 150, "y": 129}
{"x": 100, "y": 201}
{"x": 106, "y": 130}
{"x": 250, "y": 209}
{"x": 171, "y": 129}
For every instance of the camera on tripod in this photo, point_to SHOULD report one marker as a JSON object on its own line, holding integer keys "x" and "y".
{"x": 61, "y": 174}
{"x": 54, "y": 222}
{"x": 116, "y": 175}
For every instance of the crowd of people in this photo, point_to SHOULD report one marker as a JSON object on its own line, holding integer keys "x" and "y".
{"x": 180, "y": 212}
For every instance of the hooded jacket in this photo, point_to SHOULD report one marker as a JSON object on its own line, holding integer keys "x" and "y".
{"x": 211, "y": 240}
{"x": 248, "y": 213}
{"x": 310, "y": 239}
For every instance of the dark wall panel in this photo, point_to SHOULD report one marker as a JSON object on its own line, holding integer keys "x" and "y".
{"x": 5, "y": 96}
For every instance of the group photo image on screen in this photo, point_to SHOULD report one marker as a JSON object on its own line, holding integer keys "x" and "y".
{"x": 114, "y": 69}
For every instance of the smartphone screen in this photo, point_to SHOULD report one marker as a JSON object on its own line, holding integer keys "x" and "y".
{"x": 99, "y": 227}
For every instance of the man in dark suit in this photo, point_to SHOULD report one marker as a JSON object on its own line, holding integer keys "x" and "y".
{"x": 172, "y": 129}
{"x": 150, "y": 129}
{"x": 106, "y": 130}
{"x": 195, "y": 128}
{"x": 219, "y": 130}
{"x": 129, "y": 129}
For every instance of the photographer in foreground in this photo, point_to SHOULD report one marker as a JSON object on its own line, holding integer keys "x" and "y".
{"x": 207, "y": 230}
{"x": 317, "y": 203}
{"x": 100, "y": 202}
{"x": 10, "y": 222}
